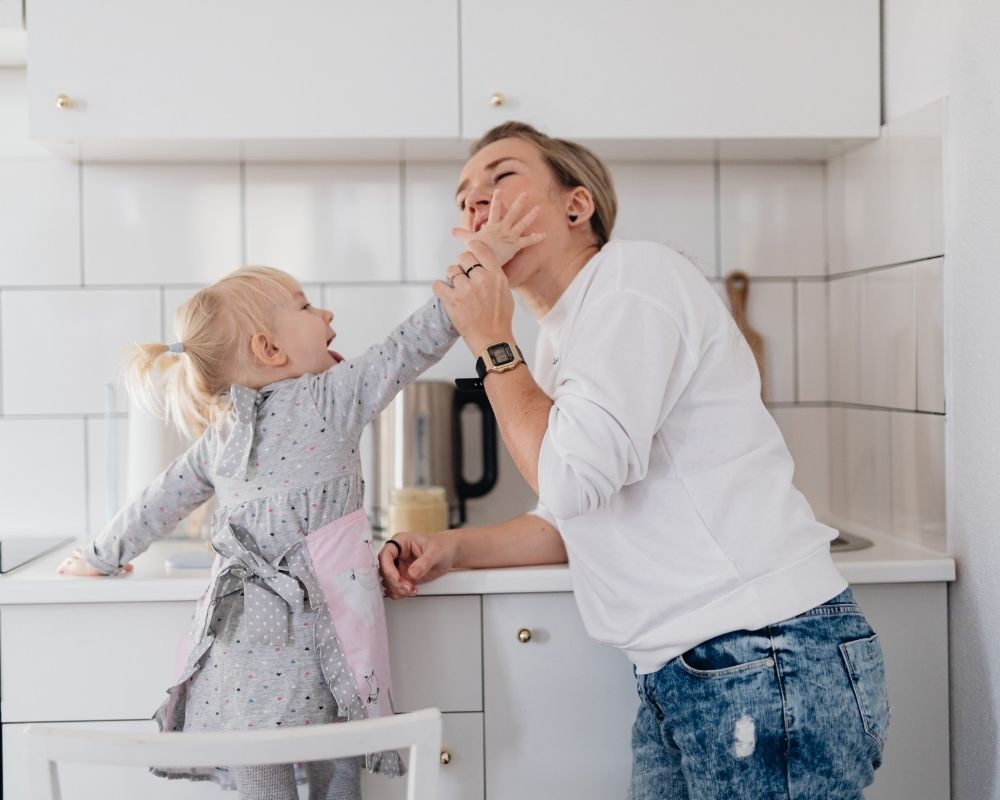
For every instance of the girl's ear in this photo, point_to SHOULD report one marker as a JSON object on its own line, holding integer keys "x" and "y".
{"x": 579, "y": 206}
{"x": 266, "y": 350}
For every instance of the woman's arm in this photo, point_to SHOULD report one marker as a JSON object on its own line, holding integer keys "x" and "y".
{"x": 519, "y": 542}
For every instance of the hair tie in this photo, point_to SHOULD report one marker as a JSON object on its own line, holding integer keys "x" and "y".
{"x": 176, "y": 347}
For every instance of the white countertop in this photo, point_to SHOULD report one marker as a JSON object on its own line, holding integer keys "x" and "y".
{"x": 889, "y": 560}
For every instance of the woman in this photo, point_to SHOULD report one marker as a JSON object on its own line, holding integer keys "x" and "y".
{"x": 666, "y": 482}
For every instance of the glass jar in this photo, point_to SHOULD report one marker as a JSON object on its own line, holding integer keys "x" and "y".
{"x": 413, "y": 509}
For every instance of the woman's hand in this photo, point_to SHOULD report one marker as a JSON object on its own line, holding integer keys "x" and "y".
{"x": 503, "y": 231}
{"x": 420, "y": 558}
{"x": 76, "y": 564}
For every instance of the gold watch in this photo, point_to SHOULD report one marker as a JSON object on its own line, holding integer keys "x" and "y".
{"x": 499, "y": 357}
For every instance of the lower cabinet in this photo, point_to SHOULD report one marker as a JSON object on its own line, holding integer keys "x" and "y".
{"x": 533, "y": 708}
{"x": 558, "y": 706}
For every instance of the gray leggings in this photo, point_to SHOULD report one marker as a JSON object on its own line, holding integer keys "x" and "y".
{"x": 328, "y": 780}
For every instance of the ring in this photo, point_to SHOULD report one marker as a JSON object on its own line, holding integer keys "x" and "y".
{"x": 399, "y": 550}
{"x": 477, "y": 264}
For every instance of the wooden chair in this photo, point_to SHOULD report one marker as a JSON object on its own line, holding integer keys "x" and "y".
{"x": 419, "y": 731}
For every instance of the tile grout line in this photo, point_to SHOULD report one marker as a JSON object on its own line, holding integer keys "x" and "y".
{"x": 881, "y": 267}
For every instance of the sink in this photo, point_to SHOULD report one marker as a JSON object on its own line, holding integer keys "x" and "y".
{"x": 846, "y": 542}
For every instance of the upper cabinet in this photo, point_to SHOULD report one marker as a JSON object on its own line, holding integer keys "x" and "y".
{"x": 242, "y": 69}
{"x": 314, "y": 78}
{"x": 689, "y": 69}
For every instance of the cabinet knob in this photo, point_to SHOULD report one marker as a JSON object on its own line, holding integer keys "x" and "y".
{"x": 64, "y": 101}
{"x": 524, "y": 636}
{"x": 445, "y": 758}
{"x": 496, "y": 99}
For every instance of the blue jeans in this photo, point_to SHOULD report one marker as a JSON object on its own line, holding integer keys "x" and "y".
{"x": 797, "y": 711}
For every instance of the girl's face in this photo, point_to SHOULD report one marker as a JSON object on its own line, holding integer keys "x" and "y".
{"x": 513, "y": 166}
{"x": 303, "y": 332}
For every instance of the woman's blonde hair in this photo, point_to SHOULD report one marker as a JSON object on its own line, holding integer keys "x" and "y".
{"x": 572, "y": 165}
{"x": 214, "y": 330}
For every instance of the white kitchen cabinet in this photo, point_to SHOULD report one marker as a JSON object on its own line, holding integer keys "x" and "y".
{"x": 558, "y": 707}
{"x": 717, "y": 69}
{"x": 243, "y": 70}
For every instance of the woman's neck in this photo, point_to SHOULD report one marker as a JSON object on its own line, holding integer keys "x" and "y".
{"x": 544, "y": 292}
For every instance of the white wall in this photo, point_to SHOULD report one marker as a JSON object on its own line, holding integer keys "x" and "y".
{"x": 916, "y": 41}
{"x": 972, "y": 232}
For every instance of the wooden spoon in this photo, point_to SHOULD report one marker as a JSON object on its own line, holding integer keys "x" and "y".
{"x": 738, "y": 289}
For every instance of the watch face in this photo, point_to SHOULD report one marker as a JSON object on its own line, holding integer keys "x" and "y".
{"x": 500, "y": 354}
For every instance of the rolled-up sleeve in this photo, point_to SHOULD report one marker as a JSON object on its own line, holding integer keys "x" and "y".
{"x": 622, "y": 369}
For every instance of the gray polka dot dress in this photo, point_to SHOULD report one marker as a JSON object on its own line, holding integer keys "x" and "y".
{"x": 291, "y": 630}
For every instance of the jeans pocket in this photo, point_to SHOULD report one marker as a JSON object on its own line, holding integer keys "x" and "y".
{"x": 729, "y": 654}
{"x": 866, "y": 670}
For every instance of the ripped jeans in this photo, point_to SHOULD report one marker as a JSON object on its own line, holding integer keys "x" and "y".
{"x": 796, "y": 710}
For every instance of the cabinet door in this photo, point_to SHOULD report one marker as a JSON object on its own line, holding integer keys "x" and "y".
{"x": 461, "y": 778}
{"x": 673, "y": 69}
{"x": 243, "y": 69}
{"x": 558, "y": 708}
{"x": 435, "y": 653}
{"x": 97, "y": 781}
{"x": 912, "y": 623}
{"x": 90, "y": 660}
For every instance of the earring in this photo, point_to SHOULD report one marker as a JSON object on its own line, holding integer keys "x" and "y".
{"x": 572, "y": 217}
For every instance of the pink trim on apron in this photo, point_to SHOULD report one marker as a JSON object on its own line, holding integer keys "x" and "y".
{"x": 347, "y": 572}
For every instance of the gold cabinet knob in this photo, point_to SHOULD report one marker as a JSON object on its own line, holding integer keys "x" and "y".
{"x": 524, "y": 636}
{"x": 63, "y": 101}
{"x": 496, "y": 99}
{"x": 445, "y": 758}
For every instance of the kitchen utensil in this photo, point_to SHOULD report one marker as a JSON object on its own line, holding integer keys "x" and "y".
{"x": 738, "y": 290}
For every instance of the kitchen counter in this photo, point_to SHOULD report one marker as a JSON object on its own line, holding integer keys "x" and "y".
{"x": 889, "y": 560}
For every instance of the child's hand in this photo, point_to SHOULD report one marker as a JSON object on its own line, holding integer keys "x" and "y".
{"x": 76, "y": 564}
{"x": 502, "y": 231}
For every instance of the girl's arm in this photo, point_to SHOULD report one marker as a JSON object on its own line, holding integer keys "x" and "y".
{"x": 151, "y": 514}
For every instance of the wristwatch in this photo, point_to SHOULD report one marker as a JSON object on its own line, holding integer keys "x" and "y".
{"x": 499, "y": 357}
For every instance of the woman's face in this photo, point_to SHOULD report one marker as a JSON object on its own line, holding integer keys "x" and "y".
{"x": 513, "y": 166}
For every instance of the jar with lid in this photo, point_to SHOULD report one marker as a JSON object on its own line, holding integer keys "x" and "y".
{"x": 414, "y": 509}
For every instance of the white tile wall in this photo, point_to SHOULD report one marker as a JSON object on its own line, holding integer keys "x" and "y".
{"x": 888, "y": 339}
{"x": 39, "y": 223}
{"x": 160, "y": 223}
{"x": 772, "y": 219}
{"x": 42, "y": 476}
{"x": 812, "y": 337}
{"x": 835, "y": 227}
{"x": 845, "y": 339}
{"x": 861, "y": 466}
{"x": 918, "y": 478}
{"x": 928, "y": 276}
{"x": 429, "y": 214}
{"x": 866, "y": 211}
{"x": 770, "y": 313}
{"x": 807, "y": 434}
{"x": 669, "y": 203}
{"x": 61, "y": 348}
{"x": 10, "y": 13}
{"x": 107, "y": 460}
{"x": 325, "y": 222}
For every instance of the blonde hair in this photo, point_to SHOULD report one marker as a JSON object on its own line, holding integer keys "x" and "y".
{"x": 572, "y": 165}
{"x": 214, "y": 328}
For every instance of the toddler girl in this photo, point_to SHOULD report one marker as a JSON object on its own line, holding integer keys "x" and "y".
{"x": 292, "y": 629}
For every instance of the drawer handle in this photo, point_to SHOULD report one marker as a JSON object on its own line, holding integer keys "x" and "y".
{"x": 64, "y": 101}
{"x": 445, "y": 758}
{"x": 524, "y": 636}
{"x": 496, "y": 99}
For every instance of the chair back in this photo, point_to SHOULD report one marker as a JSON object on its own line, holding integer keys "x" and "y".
{"x": 417, "y": 731}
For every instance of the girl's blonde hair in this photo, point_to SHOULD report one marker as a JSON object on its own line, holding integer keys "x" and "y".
{"x": 214, "y": 328}
{"x": 572, "y": 165}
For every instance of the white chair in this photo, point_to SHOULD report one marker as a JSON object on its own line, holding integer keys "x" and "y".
{"x": 419, "y": 731}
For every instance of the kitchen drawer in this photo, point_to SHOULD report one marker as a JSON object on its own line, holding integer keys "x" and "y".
{"x": 88, "y": 661}
{"x": 435, "y": 652}
{"x": 460, "y": 779}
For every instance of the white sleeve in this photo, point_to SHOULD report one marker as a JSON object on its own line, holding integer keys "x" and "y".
{"x": 542, "y": 512}
{"x": 622, "y": 370}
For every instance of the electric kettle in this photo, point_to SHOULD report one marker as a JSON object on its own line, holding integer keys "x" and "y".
{"x": 417, "y": 442}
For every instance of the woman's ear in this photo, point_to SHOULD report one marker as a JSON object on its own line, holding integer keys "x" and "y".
{"x": 579, "y": 205}
{"x": 266, "y": 350}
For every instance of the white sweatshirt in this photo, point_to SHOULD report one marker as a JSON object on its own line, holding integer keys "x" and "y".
{"x": 665, "y": 474}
